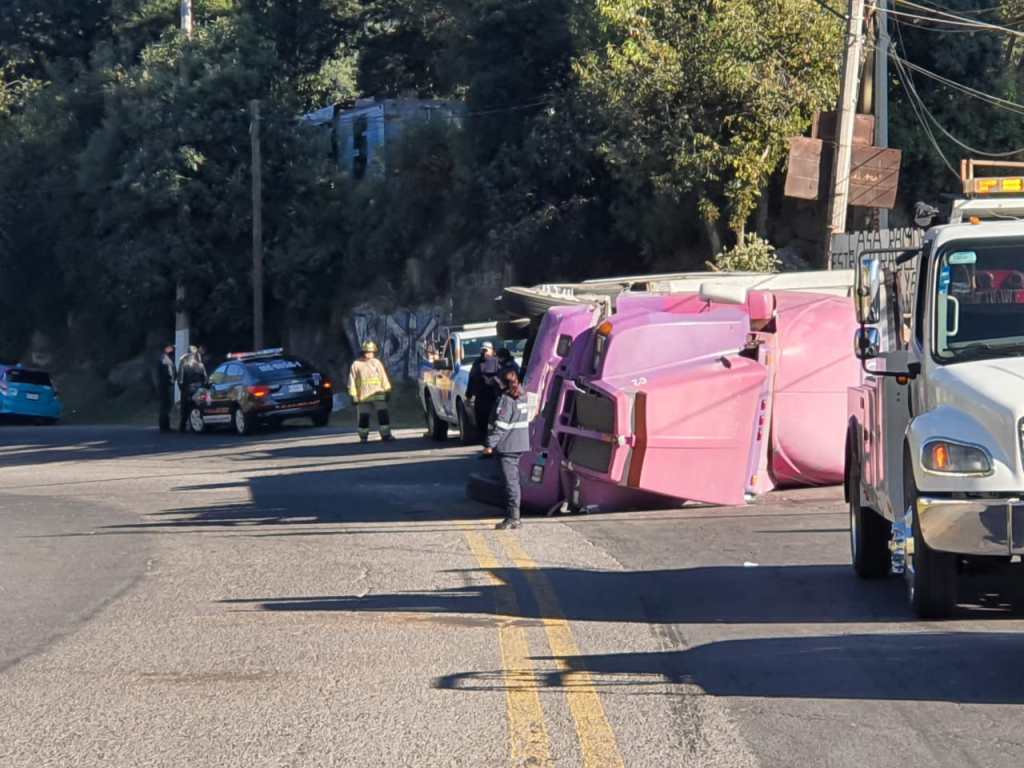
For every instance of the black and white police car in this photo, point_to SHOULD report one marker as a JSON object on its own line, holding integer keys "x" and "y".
{"x": 253, "y": 388}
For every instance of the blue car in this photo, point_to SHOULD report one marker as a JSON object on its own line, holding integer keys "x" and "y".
{"x": 28, "y": 393}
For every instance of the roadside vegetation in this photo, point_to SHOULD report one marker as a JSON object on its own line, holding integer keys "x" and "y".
{"x": 600, "y": 136}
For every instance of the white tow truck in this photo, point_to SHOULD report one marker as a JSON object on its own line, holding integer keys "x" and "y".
{"x": 935, "y": 446}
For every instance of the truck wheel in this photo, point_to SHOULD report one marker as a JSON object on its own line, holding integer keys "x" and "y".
{"x": 467, "y": 432}
{"x": 437, "y": 426}
{"x": 931, "y": 575}
{"x": 869, "y": 531}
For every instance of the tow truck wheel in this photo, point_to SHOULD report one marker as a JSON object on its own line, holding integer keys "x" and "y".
{"x": 195, "y": 421}
{"x": 869, "y": 532}
{"x": 438, "y": 427}
{"x": 467, "y": 433}
{"x": 931, "y": 575}
{"x": 242, "y": 421}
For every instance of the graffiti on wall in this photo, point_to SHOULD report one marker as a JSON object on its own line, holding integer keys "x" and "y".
{"x": 400, "y": 334}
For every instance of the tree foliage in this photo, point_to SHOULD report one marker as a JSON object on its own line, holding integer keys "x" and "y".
{"x": 598, "y": 136}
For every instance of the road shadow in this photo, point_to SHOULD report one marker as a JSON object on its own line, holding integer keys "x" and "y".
{"x": 400, "y": 489}
{"x": 791, "y": 594}
{"x": 725, "y": 594}
{"x": 37, "y": 445}
{"x": 960, "y": 667}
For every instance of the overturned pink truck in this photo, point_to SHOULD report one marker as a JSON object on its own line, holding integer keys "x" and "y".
{"x": 709, "y": 388}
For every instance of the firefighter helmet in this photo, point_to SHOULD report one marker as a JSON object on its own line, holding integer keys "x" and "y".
{"x": 370, "y": 346}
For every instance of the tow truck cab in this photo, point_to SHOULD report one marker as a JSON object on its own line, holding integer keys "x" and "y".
{"x": 935, "y": 462}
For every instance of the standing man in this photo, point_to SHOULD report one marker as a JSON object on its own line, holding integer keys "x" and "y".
{"x": 482, "y": 389}
{"x": 508, "y": 363}
{"x": 509, "y": 437}
{"x": 165, "y": 376}
{"x": 191, "y": 376}
{"x": 370, "y": 389}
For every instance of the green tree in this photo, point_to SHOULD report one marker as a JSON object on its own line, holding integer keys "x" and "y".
{"x": 700, "y": 98}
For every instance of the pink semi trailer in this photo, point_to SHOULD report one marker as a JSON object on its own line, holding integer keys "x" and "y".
{"x": 711, "y": 391}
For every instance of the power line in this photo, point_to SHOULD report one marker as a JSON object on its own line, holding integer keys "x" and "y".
{"x": 907, "y": 81}
{"x": 952, "y": 19}
{"x": 830, "y": 9}
{"x": 996, "y": 101}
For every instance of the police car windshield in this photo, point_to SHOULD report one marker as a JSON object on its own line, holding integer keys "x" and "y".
{"x": 279, "y": 368}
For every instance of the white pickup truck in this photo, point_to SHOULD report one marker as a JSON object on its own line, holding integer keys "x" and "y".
{"x": 935, "y": 448}
{"x": 443, "y": 383}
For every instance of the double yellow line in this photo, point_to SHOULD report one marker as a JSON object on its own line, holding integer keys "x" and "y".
{"x": 529, "y": 741}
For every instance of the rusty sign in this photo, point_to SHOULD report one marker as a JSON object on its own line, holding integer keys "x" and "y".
{"x": 803, "y": 173}
{"x": 874, "y": 177}
{"x": 824, "y": 128}
{"x": 874, "y": 172}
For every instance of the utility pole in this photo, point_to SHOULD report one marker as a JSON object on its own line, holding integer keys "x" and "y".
{"x": 257, "y": 228}
{"x": 882, "y": 89}
{"x": 181, "y": 319}
{"x": 845, "y": 121}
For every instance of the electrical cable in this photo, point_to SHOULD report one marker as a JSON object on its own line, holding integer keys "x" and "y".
{"x": 951, "y": 19}
{"x": 907, "y": 82}
{"x": 996, "y": 101}
{"x": 830, "y": 9}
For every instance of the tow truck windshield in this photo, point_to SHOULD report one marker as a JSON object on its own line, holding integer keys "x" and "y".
{"x": 979, "y": 302}
{"x": 471, "y": 347}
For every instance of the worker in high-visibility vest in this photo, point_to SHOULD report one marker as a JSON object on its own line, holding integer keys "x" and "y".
{"x": 370, "y": 389}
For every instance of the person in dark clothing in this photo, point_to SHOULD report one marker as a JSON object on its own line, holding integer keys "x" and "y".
{"x": 191, "y": 376}
{"x": 509, "y": 437}
{"x": 165, "y": 376}
{"x": 508, "y": 363}
{"x": 482, "y": 390}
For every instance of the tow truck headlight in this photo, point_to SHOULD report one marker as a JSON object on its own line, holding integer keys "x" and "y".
{"x": 947, "y": 457}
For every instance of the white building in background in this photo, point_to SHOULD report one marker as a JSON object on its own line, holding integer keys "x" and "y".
{"x": 359, "y": 133}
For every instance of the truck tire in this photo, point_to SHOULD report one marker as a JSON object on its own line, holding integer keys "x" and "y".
{"x": 467, "y": 431}
{"x": 437, "y": 426}
{"x": 869, "y": 531}
{"x": 931, "y": 575}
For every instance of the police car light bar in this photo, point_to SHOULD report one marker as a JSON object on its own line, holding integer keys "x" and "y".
{"x": 259, "y": 353}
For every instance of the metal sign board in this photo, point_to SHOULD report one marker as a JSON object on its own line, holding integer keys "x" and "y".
{"x": 824, "y": 128}
{"x": 803, "y": 172}
{"x": 874, "y": 177}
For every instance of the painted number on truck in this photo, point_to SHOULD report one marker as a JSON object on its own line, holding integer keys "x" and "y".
{"x": 640, "y": 381}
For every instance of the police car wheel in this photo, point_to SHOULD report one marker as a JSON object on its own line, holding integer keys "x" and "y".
{"x": 242, "y": 421}
{"x": 195, "y": 421}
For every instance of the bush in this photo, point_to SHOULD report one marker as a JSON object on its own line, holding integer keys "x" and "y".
{"x": 754, "y": 254}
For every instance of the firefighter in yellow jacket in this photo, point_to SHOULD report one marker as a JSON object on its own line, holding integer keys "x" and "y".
{"x": 370, "y": 389}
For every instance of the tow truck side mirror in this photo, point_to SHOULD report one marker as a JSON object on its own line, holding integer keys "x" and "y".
{"x": 867, "y": 343}
{"x": 869, "y": 290}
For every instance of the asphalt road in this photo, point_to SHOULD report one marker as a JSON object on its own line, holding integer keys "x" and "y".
{"x": 296, "y": 599}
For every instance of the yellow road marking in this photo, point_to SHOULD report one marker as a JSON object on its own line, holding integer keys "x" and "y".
{"x": 529, "y": 742}
{"x": 597, "y": 741}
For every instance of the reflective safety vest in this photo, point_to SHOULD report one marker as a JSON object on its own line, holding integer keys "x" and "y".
{"x": 510, "y": 422}
{"x": 368, "y": 381}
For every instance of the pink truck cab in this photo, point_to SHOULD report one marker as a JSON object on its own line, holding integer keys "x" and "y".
{"x": 712, "y": 396}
